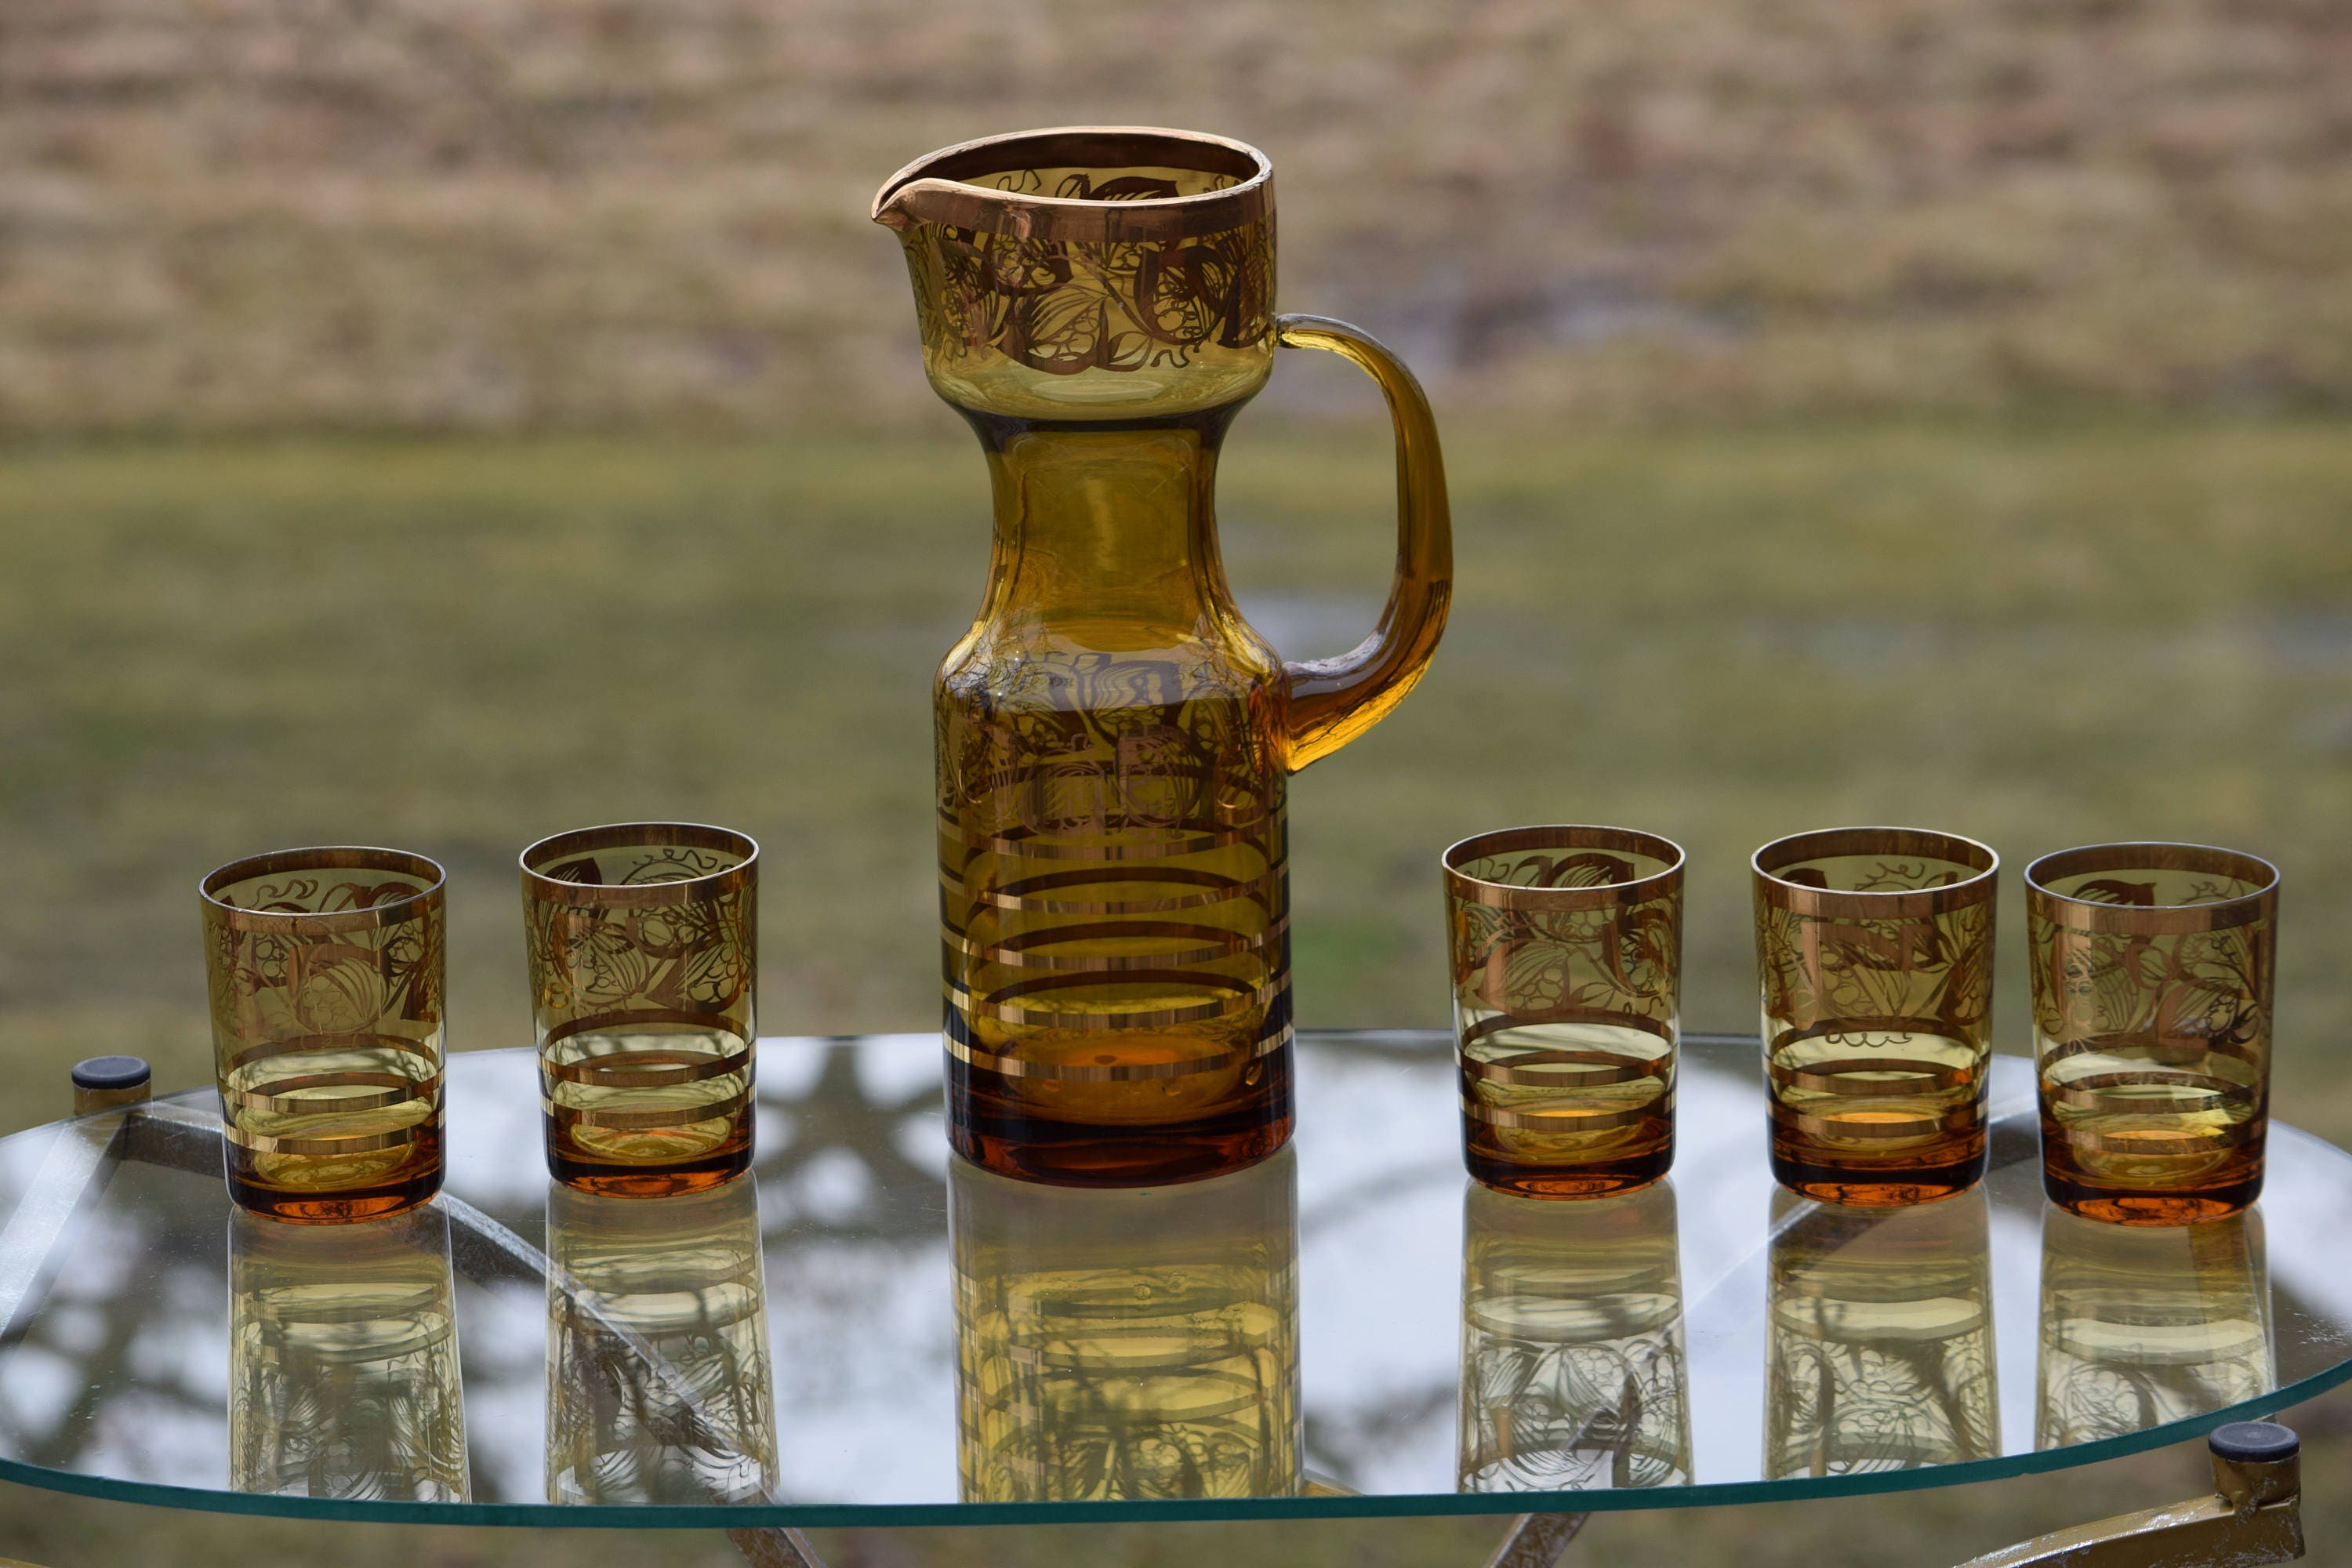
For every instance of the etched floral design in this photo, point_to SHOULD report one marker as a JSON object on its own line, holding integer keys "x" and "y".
{"x": 1535, "y": 962}
{"x": 278, "y": 985}
{"x": 1927, "y": 971}
{"x": 694, "y": 956}
{"x": 2197, "y": 989}
{"x": 1061, "y": 307}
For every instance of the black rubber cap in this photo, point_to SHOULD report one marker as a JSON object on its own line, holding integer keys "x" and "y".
{"x": 111, "y": 1072}
{"x": 2256, "y": 1442}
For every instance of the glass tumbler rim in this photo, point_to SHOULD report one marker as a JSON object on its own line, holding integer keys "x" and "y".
{"x": 1569, "y": 836}
{"x": 325, "y": 857}
{"x": 1875, "y": 904}
{"x": 2151, "y": 855}
{"x": 538, "y": 884}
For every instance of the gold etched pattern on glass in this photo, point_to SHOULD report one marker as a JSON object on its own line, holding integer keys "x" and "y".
{"x": 1874, "y": 946}
{"x": 1164, "y": 303}
{"x": 1881, "y": 1348}
{"x": 2152, "y": 973}
{"x": 1113, "y": 739}
{"x": 1567, "y": 954}
{"x": 1127, "y": 1345}
{"x": 343, "y": 1374}
{"x": 644, "y": 945}
{"x": 2143, "y": 1326}
{"x": 1573, "y": 1369}
{"x": 325, "y": 969}
{"x": 659, "y": 1388}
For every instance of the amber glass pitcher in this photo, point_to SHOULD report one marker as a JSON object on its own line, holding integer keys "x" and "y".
{"x": 1113, "y": 738}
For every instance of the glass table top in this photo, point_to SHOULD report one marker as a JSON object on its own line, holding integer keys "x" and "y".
{"x": 865, "y": 1332}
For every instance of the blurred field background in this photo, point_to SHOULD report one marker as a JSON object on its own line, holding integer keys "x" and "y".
{"x": 442, "y": 423}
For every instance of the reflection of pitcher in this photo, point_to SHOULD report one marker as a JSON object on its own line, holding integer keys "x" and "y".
{"x": 1127, "y": 1345}
{"x": 1113, "y": 738}
{"x": 1881, "y": 1356}
{"x": 2144, "y": 1325}
{"x": 657, "y": 1375}
{"x": 1572, "y": 1366}
{"x": 344, "y": 1360}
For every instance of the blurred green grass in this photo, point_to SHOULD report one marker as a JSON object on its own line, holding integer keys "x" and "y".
{"x": 2035, "y": 635}
{"x": 2035, "y": 632}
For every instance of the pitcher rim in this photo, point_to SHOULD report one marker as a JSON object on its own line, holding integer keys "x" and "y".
{"x": 920, "y": 193}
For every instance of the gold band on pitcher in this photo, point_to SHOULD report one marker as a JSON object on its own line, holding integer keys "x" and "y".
{"x": 1213, "y": 943}
{"x": 1236, "y": 998}
{"x": 1114, "y": 1072}
{"x": 942, "y": 187}
{"x": 1133, "y": 844}
{"x": 1264, "y": 890}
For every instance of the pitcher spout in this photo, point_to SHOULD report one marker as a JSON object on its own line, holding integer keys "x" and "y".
{"x": 1089, "y": 272}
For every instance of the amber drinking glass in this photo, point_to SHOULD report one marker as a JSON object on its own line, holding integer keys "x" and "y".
{"x": 1874, "y": 947}
{"x": 643, "y": 941}
{"x": 1567, "y": 956}
{"x": 1127, "y": 1345}
{"x": 1573, "y": 1368}
{"x": 2142, "y": 1326}
{"x": 1881, "y": 1349}
{"x": 659, "y": 1388}
{"x": 344, "y": 1376}
{"x": 325, "y": 972}
{"x": 2152, "y": 966}
{"x": 1114, "y": 741}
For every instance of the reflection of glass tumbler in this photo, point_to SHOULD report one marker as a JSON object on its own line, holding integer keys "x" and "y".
{"x": 2141, "y": 1326}
{"x": 1126, "y": 1344}
{"x": 657, "y": 1374}
{"x": 343, "y": 1360}
{"x": 1573, "y": 1374}
{"x": 1881, "y": 1349}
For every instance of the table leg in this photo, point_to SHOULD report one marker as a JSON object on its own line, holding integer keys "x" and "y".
{"x": 2255, "y": 1515}
{"x": 1536, "y": 1539}
{"x": 775, "y": 1549}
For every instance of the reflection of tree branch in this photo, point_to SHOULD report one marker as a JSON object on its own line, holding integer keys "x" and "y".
{"x": 1336, "y": 1447}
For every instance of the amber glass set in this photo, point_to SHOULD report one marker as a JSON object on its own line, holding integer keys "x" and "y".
{"x": 2151, "y": 979}
{"x": 325, "y": 968}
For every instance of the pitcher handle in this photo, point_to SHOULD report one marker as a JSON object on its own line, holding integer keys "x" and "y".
{"x": 1330, "y": 701}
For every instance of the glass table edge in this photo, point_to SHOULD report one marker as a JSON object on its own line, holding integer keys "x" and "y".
{"x": 1168, "y": 1510}
{"x": 1331, "y": 1506}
